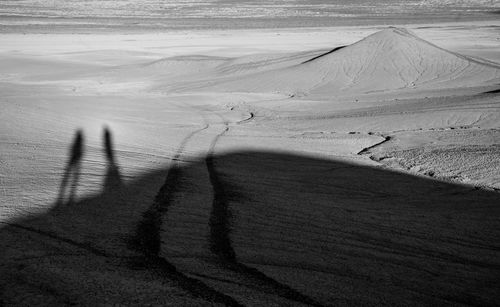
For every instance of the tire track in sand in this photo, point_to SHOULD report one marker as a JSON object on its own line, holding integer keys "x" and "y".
{"x": 220, "y": 241}
{"x": 194, "y": 235}
{"x": 147, "y": 238}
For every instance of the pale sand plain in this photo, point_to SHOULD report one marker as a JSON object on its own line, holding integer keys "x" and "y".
{"x": 253, "y": 167}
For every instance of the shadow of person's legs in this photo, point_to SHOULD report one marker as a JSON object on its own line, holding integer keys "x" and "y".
{"x": 309, "y": 224}
{"x": 72, "y": 171}
{"x": 76, "y": 171}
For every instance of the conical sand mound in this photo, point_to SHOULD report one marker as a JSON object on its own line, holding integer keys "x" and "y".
{"x": 388, "y": 60}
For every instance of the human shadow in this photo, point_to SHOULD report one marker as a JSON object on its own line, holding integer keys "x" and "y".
{"x": 69, "y": 183}
{"x": 113, "y": 178}
{"x": 334, "y": 231}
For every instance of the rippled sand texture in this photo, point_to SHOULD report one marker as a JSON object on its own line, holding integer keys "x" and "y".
{"x": 296, "y": 167}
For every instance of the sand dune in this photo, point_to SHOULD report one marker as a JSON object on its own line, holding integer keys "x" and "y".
{"x": 141, "y": 170}
{"x": 265, "y": 62}
{"x": 392, "y": 59}
{"x": 185, "y": 64}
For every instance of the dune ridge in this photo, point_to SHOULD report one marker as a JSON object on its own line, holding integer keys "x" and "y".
{"x": 388, "y": 60}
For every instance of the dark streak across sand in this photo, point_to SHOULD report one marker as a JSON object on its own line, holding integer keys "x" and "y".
{"x": 322, "y": 55}
{"x": 220, "y": 241}
{"x": 147, "y": 238}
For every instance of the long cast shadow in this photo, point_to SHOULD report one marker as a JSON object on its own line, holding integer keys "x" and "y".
{"x": 113, "y": 177}
{"x": 102, "y": 219}
{"x": 72, "y": 171}
{"x": 330, "y": 229}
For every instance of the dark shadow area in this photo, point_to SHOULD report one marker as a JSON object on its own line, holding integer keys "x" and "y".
{"x": 322, "y": 55}
{"x": 147, "y": 241}
{"x": 72, "y": 171}
{"x": 382, "y": 237}
{"x": 221, "y": 245}
{"x": 314, "y": 230}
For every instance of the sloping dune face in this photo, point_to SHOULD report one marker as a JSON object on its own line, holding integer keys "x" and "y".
{"x": 392, "y": 59}
{"x": 185, "y": 64}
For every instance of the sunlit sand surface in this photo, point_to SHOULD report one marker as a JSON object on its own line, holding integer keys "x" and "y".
{"x": 290, "y": 166}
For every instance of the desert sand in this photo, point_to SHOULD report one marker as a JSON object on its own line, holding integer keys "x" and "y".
{"x": 304, "y": 166}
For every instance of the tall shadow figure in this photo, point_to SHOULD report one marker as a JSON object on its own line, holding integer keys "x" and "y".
{"x": 71, "y": 176}
{"x": 113, "y": 178}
